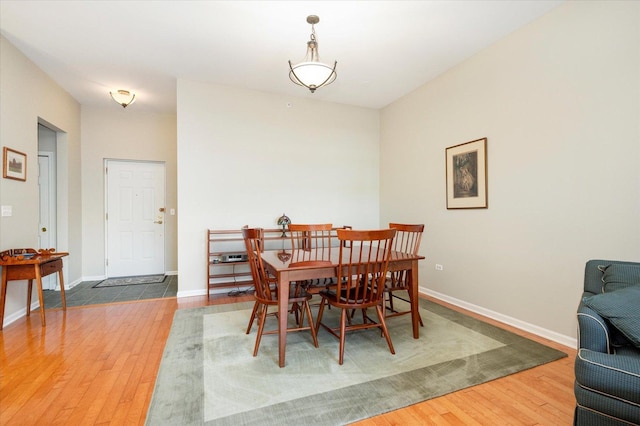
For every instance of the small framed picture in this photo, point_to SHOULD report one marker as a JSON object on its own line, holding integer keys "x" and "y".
{"x": 15, "y": 164}
{"x": 466, "y": 166}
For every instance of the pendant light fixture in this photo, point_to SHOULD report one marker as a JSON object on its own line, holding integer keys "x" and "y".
{"x": 123, "y": 97}
{"x": 311, "y": 73}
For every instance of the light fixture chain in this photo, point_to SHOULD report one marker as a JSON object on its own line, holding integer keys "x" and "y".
{"x": 313, "y": 32}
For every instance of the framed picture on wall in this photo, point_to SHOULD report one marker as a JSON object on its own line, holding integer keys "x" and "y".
{"x": 466, "y": 169}
{"x": 14, "y": 164}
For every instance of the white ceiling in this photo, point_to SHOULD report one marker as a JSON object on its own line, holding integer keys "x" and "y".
{"x": 384, "y": 49}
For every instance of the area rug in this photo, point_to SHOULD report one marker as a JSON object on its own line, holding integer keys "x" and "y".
{"x": 142, "y": 279}
{"x": 208, "y": 375}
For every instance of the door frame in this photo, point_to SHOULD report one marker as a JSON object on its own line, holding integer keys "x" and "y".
{"x": 50, "y": 282}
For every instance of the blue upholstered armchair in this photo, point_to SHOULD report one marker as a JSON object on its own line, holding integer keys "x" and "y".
{"x": 607, "y": 367}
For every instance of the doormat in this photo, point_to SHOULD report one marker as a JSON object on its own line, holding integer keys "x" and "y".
{"x": 142, "y": 279}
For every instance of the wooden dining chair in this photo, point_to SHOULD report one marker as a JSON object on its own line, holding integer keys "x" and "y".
{"x": 266, "y": 294}
{"x": 310, "y": 243}
{"x": 305, "y": 237}
{"x": 361, "y": 272}
{"x": 407, "y": 240}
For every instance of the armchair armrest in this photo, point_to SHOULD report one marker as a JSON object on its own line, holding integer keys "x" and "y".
{"x": 593, "y": 331}
{"x": 616, "y": 376}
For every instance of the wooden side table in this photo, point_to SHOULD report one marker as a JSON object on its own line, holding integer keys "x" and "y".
{"x": 29, "y": 264}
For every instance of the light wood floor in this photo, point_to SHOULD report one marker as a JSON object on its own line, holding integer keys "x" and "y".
{"x": 97, "y": 365}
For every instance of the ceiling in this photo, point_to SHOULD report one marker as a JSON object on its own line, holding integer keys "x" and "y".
{"x": 384, "y": 49}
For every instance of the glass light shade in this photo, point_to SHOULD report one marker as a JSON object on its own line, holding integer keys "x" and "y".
{"x": 123, "y": 97}
{"x": 284, "y": 220}
{"x": 312, "y": 74}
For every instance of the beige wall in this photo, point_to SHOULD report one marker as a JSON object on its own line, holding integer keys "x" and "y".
{"x": 559, "y": 102}
{"x": 123, "y": 134}
{"x": 245, "y": 157}
{"x": 30, "y": 96}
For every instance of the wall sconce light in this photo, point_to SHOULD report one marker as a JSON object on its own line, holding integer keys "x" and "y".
{"x": 123, "y": 97}
{"x": 311, "y": 73}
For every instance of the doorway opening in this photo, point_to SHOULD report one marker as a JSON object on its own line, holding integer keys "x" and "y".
{"x": 47, "y": 184}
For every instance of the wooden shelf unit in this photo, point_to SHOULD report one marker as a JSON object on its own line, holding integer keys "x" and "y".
{"x": 226, "y": 269}
{"x": 223, "y": 244}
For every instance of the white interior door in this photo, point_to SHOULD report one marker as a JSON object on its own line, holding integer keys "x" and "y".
{"x": 135, "y": 218}
{"x": 47, "y": 220}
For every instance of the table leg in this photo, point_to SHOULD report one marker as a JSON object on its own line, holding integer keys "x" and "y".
{"x": 415, "y": 303}
{"x": 40, "y": 295}
{"x": 3, "y": 295}
{"x": 283, "y": 314}
{"x": 64, "y": 298}
{"x": 29, "y": 292}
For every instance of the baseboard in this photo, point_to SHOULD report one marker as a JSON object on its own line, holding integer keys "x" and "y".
{"x": 70, "y": 285}
{"x": 93, "y": 278}
{"x": 571, "y": 342}
{"x": 36, "y": 304}
{"x": 191, "y": 293}
{"x": 21, "y": 313}
{"x": 104, "y": 277}
{"x": 514, "y": 322}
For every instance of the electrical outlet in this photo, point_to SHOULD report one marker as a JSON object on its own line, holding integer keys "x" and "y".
{"x": 439, "y": 267}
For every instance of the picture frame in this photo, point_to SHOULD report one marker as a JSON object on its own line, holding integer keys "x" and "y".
{"x": 466, "y": 175}
{"x": 14, "y": 164}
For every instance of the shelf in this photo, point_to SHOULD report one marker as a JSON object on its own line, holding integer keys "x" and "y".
{"x": 229, "y": 242}
{"x": 235, "y": 274}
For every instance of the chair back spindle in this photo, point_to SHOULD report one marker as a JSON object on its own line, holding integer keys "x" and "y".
{"x": 310, "y": 242}
{"x": 408, "y": 238}
{"x": 407, "y": 241}
{"x": 254, "y": 243}
{"x": 363, "y": 265}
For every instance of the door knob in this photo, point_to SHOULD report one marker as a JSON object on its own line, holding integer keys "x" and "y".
{"x": 44, "y": 229}
{"x": 158, "y": 221}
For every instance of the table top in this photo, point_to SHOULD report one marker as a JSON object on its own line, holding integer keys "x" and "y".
{"x": 290, "y": 260}
{"x": 29, "y": 256}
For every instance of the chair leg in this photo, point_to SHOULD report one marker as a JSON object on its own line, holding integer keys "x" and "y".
{"x": 253, "y": 316}
{"x": 262, "y": 320}
{"x": 391, "y": 309}
{"x": 320, "y": 311}
{"x": 410, "y": 301}
{"x": 384, "y": 302}
{"x": 383, "y": 325}
{"x": 295, "y": 309}
{"x": 419, "y": 316}
{"x": 343, "y": 331}
{"x": 364, "y": 316}
{"x": 312, "y": 326}
{"x": 390, "y": 293}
